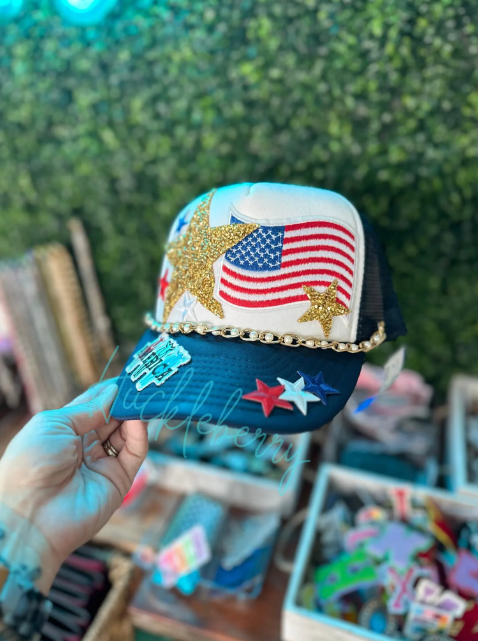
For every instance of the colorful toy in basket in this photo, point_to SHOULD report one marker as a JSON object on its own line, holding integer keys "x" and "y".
{"x": 269, "y": 297}
{"x": 402, "y": 569}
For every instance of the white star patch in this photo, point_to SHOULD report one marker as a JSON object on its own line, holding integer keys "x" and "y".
{"x": 294, "y": 392}
{"x": 186, "y": 308}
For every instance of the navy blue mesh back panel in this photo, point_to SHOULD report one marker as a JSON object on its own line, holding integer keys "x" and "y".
{"x": 379, "y": 300}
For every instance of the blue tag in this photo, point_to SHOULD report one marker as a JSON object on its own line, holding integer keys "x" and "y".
{"x": 365, "y": 404}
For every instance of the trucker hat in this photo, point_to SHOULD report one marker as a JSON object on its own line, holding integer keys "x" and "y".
{"x": 269, "y": 297}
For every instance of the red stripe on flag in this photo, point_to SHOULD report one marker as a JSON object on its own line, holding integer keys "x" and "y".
{"x": 281, "y": 288}
{"x": 319, "y": 225}
{"x": 265, "y": 303}
{"x": 303, "y": 250}
{"x": 308, "y": 261}
{"x": 338, "y": 239}
{"x": 298, "y": 274}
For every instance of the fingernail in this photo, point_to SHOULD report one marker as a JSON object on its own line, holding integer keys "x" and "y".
{"x": 109, "y": 391}
{"x": 111, "y": 380}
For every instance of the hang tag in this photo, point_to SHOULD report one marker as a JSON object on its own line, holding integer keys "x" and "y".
{"x": 391, "y": 371}
{"x": 184, "y": 555}
{"x": 156, "y": 362}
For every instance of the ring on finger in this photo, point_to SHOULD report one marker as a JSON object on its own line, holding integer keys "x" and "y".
{"x": 110, "y": 449}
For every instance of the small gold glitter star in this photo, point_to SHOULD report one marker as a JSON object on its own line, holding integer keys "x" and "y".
{"x": 323, "y": 306}
{"x": 193, "y": 255}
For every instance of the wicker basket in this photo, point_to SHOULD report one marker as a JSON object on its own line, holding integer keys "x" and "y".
{"x": 112, "y": 622}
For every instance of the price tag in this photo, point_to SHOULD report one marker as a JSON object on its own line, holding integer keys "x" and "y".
{"x": 391, "y": 371}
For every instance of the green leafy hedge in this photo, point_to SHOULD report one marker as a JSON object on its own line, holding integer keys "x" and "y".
{"x": 123, "y": 123}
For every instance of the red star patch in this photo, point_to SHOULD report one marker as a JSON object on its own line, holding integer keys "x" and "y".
{"x": 268, "y": 397}
{"x": 163, "y": 285}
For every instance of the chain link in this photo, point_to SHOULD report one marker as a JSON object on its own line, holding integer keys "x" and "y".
{"x": 269, "y": 338}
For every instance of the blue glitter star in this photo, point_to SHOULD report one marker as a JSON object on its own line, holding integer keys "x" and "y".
{"x": 182, "y": 222}
{"x": 316, "y": 385}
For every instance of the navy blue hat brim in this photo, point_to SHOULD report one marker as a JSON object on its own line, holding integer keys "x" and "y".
{"x": 210, "y": 387}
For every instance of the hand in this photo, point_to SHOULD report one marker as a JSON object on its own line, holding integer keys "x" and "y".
{"x": 58, "y": 487}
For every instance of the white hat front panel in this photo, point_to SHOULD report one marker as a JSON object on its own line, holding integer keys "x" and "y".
{"x": 306, "y": 236}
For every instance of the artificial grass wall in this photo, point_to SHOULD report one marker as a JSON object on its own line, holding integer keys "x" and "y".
{"x": 123, "y": 123}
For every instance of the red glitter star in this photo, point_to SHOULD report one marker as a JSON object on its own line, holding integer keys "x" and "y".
{"x": 268, "y": 397}
{"x": 163, "y": 285}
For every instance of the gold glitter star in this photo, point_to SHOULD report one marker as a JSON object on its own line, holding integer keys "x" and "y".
{"x": 193, "y": 255}
{"x": 323, "y": 306}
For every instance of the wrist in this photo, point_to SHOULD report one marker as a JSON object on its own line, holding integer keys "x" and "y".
{"x": 23, "y": 545}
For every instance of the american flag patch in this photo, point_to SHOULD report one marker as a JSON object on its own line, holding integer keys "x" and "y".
{"x": 269, "y": 267}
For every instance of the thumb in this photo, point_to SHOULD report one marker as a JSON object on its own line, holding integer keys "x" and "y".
{"x": 92, "y": 414}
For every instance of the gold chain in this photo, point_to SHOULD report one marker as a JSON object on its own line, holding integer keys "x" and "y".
{"x": 290, "y": 340}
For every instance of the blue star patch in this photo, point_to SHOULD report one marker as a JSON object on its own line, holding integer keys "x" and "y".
{"x": 316, "y": 385}
{"x": 182, "y": 222}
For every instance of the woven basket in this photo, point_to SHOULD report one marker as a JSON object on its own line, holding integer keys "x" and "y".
{"x": 112, "y": 622}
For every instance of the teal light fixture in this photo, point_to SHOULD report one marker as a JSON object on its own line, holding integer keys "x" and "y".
{"x": 9, "y": 9}
{"x": 84, "y": 12}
